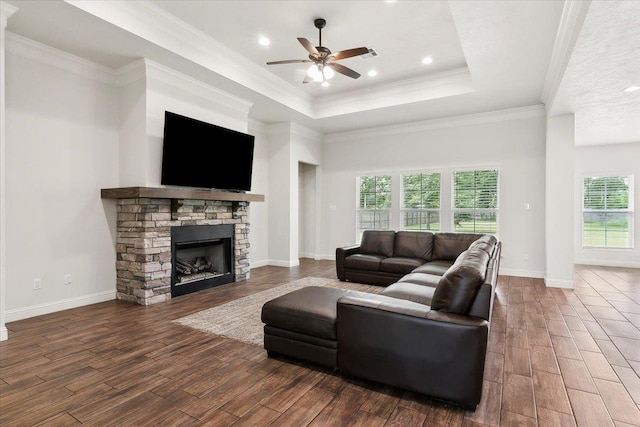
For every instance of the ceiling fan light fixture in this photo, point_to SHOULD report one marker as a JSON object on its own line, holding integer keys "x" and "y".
{"x": 313, "y": 71}
{"x": 328, "y": 73}
{"x": 325, "y": 84}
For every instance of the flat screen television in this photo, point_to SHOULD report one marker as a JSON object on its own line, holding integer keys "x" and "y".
{"x": 203, "y": 155}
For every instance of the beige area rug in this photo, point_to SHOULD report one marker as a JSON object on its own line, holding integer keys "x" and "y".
{"x": 240, "y": 319}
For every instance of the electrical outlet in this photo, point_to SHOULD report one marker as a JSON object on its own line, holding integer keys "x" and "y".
{"x": 37, "y": 284}
{"x": 67, "y": 279}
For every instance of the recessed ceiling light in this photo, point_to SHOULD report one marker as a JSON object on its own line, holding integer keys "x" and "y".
{"x": 264, "y": 41}
{"x": 632, "y": 89}
{"x": 372, "y": 73}
{"x": 427, "y": 60}
{"x": 325, "y": 84}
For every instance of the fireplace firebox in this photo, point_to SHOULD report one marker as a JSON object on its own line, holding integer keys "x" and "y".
{"x": 201, "y": 257}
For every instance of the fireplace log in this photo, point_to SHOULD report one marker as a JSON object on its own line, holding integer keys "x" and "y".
{"x": 182, "y": 269}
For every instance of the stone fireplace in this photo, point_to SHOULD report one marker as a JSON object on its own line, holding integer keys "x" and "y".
{"x": 145, "y": 225}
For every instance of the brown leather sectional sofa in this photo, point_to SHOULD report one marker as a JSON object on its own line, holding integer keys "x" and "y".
{"x": 427, "y": 331}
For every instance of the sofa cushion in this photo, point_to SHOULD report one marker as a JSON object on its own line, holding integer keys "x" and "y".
{"x": 450, "y": 245}
{"x": 376, "y": 242}
{"x": 486, "y": 243}
{"x": 438, "y": 267}
{"x": 413, "y": 244}
{"x": 423, "y": 279}
{"x": 399, "y": 265}
{"x": 363, "y": 262}
{"x": 460, "y": 283}
{"x": 410, "y": 291}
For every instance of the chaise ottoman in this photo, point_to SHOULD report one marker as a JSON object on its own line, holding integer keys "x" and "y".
{"x": 302, "y": 324}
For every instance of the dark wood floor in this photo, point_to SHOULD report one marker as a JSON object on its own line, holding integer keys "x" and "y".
{"x": 555, "y": 358}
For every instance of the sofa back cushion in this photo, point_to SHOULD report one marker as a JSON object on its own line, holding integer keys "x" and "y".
{"x": 376, "y": 242}
{"x": 486, "y": 243}
{"x": 449, "y": 245}
{"x": 459, "y": 285}
{"x": 414, "y": 244}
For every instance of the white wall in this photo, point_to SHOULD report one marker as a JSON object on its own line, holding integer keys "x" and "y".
{"x": 623, "y": 159}
{"x": 512, "y": 140}
{"x": 62, "y": 146}
{"x": 559, "y": 201}
{"x": 259, "y": 212}
{"x": 307, "y": 210}
{"x": 74, "y": 127}
{"x": 289, "y": 144}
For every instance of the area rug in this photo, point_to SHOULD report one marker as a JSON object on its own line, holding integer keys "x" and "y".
{"x": 240, "y": 319}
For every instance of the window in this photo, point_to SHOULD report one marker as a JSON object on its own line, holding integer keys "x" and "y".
{"x": 374, "y": 203}
{"x": 475, "y": 201}
{"x": 420, "y": 210}
{"x": 607, "y": 214}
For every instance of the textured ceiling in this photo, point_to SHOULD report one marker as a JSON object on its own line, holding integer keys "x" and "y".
{"x": 605, "y": 61}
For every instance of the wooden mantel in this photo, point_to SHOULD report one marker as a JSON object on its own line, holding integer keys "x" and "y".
{"x": 178, "y": 193}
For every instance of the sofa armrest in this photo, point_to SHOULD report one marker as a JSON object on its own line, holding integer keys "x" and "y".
{"x": 407, "y": 345}
{"x": 341, "y": 254}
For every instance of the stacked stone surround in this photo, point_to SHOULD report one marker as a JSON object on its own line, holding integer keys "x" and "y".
{"x": 143, "y": 245}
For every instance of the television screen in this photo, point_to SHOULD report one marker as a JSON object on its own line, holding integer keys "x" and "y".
{"x": 204, "y": 155}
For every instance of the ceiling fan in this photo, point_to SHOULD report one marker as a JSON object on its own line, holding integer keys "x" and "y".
{"x": 324, "y": 62}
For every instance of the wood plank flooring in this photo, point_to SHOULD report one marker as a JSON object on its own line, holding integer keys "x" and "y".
{"x": 555, "y": 358}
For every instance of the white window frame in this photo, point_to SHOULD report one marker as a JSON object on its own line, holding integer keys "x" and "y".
{"x": 403, "y": 209}
{"x": 629, "y": 211}
{"x": 455, "y": 210}
{"x": 359, "y": 210}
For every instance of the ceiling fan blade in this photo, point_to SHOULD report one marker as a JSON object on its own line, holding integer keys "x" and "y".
{"x": 349, "y": 53}
{"x": 309, "y": 47}
{"x": 343, "y": 70}
{"x": 289, "y": 61}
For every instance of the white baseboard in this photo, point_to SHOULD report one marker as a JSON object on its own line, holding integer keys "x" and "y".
{"x": 256, "y": 264}
{"x": 4, "y": 334}
{"x": 521, "y": 273}
{"x": 278, "y": 263}
{"x": 559, "y": 283}
{"x": 52, "y": 307}
{"x": 607, "y": 263}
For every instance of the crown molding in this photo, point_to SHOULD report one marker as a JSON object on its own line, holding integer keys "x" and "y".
{"x": 6, "y": 11}
{"x": 447, "y": 122}
{"x": 154, "y": 72}
{"x": 440, "y": 85}
{"x": 574, "y": 13}
{"x": 304, "y": 132}
{"x": 150, "y": 22}
{"x": 132, "y": 72}
{"x": 195, "y": 87}
{"x": 256, "y": 125}
{"x": 27, "y": 48}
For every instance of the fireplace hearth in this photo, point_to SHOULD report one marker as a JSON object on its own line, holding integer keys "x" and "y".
{"x": 201, "y": 257}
